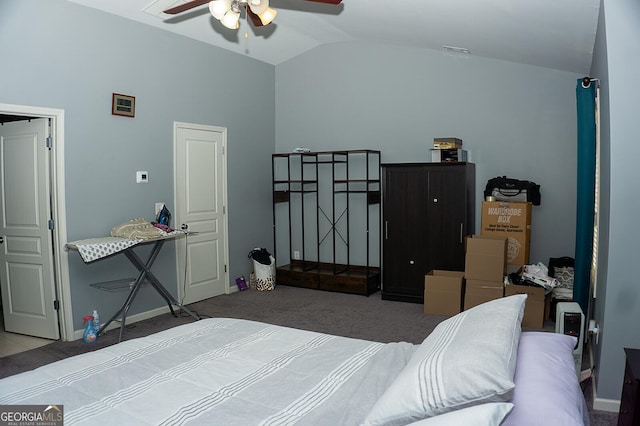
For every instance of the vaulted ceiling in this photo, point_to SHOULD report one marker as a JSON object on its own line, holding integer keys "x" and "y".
{"x": 557, "y": 34}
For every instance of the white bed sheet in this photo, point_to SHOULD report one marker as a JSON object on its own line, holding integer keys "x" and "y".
{"x": 217, "y": 372}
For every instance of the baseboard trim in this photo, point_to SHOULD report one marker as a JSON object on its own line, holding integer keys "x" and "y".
{"x": 77, "y": 334}
{"x": 601, "y": 404}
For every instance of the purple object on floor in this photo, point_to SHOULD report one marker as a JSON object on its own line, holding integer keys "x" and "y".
{"x": 241, "y": 282}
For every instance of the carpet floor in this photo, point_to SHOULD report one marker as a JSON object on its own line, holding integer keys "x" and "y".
{"x": 369, "y": 318}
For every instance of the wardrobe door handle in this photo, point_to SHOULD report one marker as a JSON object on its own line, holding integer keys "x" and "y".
{"x": 386, "y": 230}
{"x": 461, "y": 226}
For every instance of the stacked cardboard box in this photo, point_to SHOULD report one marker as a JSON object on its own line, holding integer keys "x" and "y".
{"x": 537, "y": 306}
{"x": 446, "y": 292}
{"x": 485, "y": 267}
{"x": 443, "y": 292}
{"x": 513, "y": 221}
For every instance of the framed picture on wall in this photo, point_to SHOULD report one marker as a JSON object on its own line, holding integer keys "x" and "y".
{"x": 124, "y": 105}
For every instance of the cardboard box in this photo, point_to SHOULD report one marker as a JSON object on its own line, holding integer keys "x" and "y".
{"x": 485, "y": 258}
{"x": 477, "y": 292}
{"x": 447, "y": 143}
{"x": 443, "y": 292}
{"x": 510, "y": 220}
{"x": 535, "y": 307}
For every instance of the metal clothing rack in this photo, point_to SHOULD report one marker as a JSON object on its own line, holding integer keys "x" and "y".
{"x": 315, "y": 192}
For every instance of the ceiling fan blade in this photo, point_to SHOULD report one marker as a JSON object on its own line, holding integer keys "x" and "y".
{"x": 327, "y": 1}
{"x": 186, "y": 6}
{"x": 255, "y": 19}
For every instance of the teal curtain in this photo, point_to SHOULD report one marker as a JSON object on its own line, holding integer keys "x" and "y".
{"x": 586, "y": 108}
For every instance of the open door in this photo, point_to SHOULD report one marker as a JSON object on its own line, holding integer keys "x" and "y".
{"x": 26, "y": 261}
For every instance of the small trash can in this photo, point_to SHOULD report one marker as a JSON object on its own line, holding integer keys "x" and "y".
{"x": 264, "y": 269}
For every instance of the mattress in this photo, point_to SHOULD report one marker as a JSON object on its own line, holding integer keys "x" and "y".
{"x": 224, "y": 371}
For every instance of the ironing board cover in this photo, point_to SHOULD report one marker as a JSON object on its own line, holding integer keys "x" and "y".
{"x": 96, "y": 248}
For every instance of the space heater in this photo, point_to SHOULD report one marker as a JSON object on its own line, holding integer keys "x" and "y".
{"x": 570, "y": 321}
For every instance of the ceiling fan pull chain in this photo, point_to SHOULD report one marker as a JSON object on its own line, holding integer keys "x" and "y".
{"x": 246, "y": 23}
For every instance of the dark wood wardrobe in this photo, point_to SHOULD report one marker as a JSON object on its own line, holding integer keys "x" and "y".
{"x": 428, "y": 210}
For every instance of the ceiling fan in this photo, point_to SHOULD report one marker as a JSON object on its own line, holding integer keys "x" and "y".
{"x": 228, "y": 11}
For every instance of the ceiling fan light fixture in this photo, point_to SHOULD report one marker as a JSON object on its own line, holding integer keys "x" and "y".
{"x": 267, "y": 16}
{"x": 218, "y": 8}
{"x": 230, "y": 20}
{"x": 259, "y": 6}
{"x": 228, "y": 11}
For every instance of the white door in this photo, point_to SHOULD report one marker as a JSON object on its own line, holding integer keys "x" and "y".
{"x": 26, "y": 266}
{"x": 200, "y": 195}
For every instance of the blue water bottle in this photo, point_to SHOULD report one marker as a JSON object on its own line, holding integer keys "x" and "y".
{"x": 89, "y": 335}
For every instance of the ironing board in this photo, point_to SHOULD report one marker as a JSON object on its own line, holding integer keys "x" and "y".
{"x": 98, "y": 248}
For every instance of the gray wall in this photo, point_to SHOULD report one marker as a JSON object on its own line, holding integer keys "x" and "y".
{"x": 617, "y": 306}
{"x": 57, "y": 54}
{"x": 600, "y": 70}
{"x": 515, "y": 120}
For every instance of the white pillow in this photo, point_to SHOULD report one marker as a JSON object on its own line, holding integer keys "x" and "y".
{"x": 490, "y": 414}
{"x": 469, "y": 359}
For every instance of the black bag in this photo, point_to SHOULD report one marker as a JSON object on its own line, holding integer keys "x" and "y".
{"x": 260, "y": 255}
{"x": 503, "y": 188}
{"x": 559, "y": 262}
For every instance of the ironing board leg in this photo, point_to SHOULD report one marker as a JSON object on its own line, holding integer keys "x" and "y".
{"x": 168, "y": 297}
{"x": 121, "y": 312}
{"x": 144, "y": 269}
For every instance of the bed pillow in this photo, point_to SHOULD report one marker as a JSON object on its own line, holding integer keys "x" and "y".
{"x": 546, "y": 377}
{"x": 468, "y": 359}
{"x": 490, "y": 414}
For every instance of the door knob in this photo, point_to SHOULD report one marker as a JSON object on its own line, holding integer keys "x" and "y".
{"x": 2, "y": 240}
